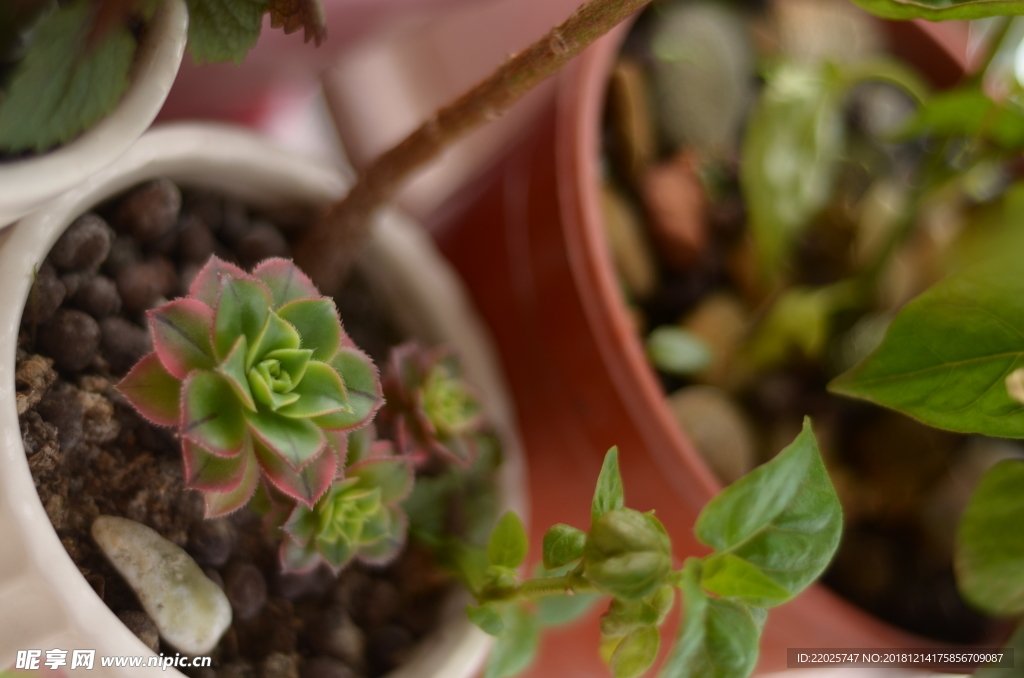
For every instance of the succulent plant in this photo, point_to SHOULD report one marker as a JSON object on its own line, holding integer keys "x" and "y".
{"x": 260, "y": 379}
{"x": 359, "y": 517}
{"x": 430, "y": 411}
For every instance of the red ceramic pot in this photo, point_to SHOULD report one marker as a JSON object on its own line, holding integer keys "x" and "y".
{"x": 530, "y": 243}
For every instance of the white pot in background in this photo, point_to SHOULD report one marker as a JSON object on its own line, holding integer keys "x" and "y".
{"x": 27, "y": 183}
{"x": 44, "y": 602}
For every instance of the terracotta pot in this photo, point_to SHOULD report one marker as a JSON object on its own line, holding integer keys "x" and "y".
{"x": 27, "y": 183}
{"x": 44, "y": 602}
{"x": 529, "y": 241}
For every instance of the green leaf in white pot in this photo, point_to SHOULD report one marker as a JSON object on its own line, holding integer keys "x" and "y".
{"x": 774, "y": 530}
{"x": 224, "y": 30}
{"x": 941, "y": 10}
{"x": 990, "y": 542}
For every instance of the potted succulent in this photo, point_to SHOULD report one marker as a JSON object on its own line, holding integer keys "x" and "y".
{"x": 52, "y": 603}
{"x": 125, "y": 56}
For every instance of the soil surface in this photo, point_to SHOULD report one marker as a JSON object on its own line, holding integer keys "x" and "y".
{"x": 90, "y": 454}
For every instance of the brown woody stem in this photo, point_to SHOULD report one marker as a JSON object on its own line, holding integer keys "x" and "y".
{"x": 328, "y": 249}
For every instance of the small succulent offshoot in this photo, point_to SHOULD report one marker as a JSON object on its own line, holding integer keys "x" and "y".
{"x": 430, "y": 411}
{"x": 260, "y": 380}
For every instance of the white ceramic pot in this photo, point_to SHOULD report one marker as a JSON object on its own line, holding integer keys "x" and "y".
{"x": 44, "y": 602}
{"x": 27, "y": 183}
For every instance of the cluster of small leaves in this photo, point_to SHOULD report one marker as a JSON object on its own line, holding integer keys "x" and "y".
{"x": 71, "y": 62}
{"x": 260, "y": 380}
{"x": 772, "y": 532}
{"x": 431, "y": 412}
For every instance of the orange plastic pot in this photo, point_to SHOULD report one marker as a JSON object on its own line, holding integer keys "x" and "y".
{"x": 530, "y": 243}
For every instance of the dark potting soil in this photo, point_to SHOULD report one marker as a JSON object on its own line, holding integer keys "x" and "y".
{"x": 90, "y": 454}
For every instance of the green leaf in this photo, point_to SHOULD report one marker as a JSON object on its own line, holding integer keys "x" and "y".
{"x": 363, "y": 387}
{"x": 211, "y": 414}
{"x": 223, "y": 503}
{"x": 628, "y": 554}
{"x": 487, "y": 618}
{"x": 562, "y": 545}
{"x": 275, "y": 335}
{"x": 636, "y": 653}
{"x": 562, "y": 609}
{"x": 508, "y": 543}
{"x": 969, "y": 113}
{"x": 793, "y": 143}
{"x": 297, "y": 441}
{"x": 673, "y": 350}
{"x": 285, "y": 281}
{"x": 990, "y": 542}
{"x": 181, "y": 336}
{"x": 717, "y": 639}
{"x": 608, "y": 496}
{"x": 154, "y": 391}
{"x": 233, "y": 369}
{"x": 392, "y": 475}
{"x": 318, "y": 324}
{"x": 320, "y": 392}
{"x": 625, "y": 616}
{"x": 941, "y": 10}
{"x": 242, "y": 310}
{"x": 783, "y": 519}
{"x": 947, "y": 354}
{"x": 223, "y": 30}
{"x": 517, "y": 646}
{"x": 64, "y": 84}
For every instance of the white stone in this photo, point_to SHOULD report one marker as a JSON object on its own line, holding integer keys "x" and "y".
{"x": 190, "y": 611}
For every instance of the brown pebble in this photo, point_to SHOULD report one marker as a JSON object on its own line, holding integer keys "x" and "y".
{"x": 124, "y": 252}
{"x": 208, "y": 207}
{"x": 210, "y": 542}
{"x": 246, "y": 589}
{"x": 98, "y": 297}
{"x": 62, "y": 408}
{"x": 71, "y": 338}
{"x": 32, "y": 377}
{"x": 142, "y": 285}
{"x": 45, "y": 297}
{"x": 235, "y": 222}
{"x": 123, "y": 343}
{"x": 335, "y": 633}
{"x": 677, "y": 207}
{"x": 73, "y": 280}
{"x": 141, "y": 625}
{"x": 387, "y": 648}
{"x": 317, "y": 582}
{"x": 84, "y": 245}
{"x": 200, "y": 672}
{"x": 239, "y": 669}
{"x": 326, "y": 667}
{"x": 150, "y": 211}
{"x": 262, "y": 241}
{"x": 631, "y": 117}
{"x": 377, "y": 603}
{"x": 279, "y": 665}
{"x": 195, "y": 240}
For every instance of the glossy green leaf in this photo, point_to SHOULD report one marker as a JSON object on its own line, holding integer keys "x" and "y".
{"x": 65, "y": 83}
{"x": 320, "y": 392}
{"x": 517, "y": 646}
{"x": 362, "y": 385}
{"x": 392, "y": 475}
{"x": 941, "y": 10}
{"x": 154, "y": 391}
{"x": 625, "y": 616}
{"x": 717, "y": 639}
{"x": 487, "y": 618}
{"x": 609, "y": 495}
{"x": 508, "y": 543}
{"x": 793, "y": 143}
{"x": 318, "y": 324}
{"x": 969, "y": 113}
{"x": 285, "y": 281}
{"x": 275, "y": 335}
{"x": 233, "y": 369}
{"x": 628, "y": 554}
{"x": 562, "y": 545}
{"x": 783, "y": 520}
{"x": 211, "y": 414}
{"x": 206, "y": 285}
{"x": 564, "y": 609}
{"x": 205, "y": 471}
{"x": 947, "y": 354}
{"x": 242, "y": 310}
{"x": 223, "y": 30}
{"x": 181, "y": 336}
{"x": 386, "y": 548}
{"x": 636, "y": 653}
{"x": 297, "y": 441}
{"x": 990, "y": 542}
{"x": 673, "y": 350}
{"x": 222, "y": 503}
{"x": 306, "y": 485}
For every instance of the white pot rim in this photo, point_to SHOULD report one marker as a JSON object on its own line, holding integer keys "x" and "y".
{"x": 27, "y": 183}
{"x": 44, "y": 602}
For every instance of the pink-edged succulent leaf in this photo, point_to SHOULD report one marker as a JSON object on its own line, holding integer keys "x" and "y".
{"x": 302, "y": 524}
{"x": 181, "y": 336}
{"x": 297, "y": 557}
{"x": 385, "y": 549}
{"x": 285, "y": 281}
{"x": 336, "y": 553}
{"x": 393, "y": 475}
{"x": 306, "y": 485}
{"x": 359, "y": 443}
{"x": 338, "y": 442}
{"x": 205, "y": 471}
{"x": 318, "y": 324}
{"x": 222, "y": 503}
{"x": 276, "y": 334}
{"x": 243, "y": 307}
{"x": 362, "y": 384}
{"x": 206, "y": 285}
{"x": 233, "y": 369}
{"x": 154, "y": 391}
{"x": 321, "y": 392}
{"x": 211, "y": 414}
{"x": 296, "y": 441}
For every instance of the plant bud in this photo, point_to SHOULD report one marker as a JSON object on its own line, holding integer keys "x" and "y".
{"x": 628, "y": 554}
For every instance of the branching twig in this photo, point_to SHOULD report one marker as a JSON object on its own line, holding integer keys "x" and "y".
{"x": 328, "y": 249}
